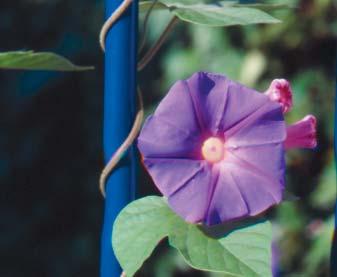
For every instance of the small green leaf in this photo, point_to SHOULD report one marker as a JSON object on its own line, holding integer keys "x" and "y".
{"x": 142, "y": 224}
{"x": 29, "y": 60}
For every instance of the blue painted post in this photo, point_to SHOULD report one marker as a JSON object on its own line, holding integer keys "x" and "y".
{"x": 119, "y": 112}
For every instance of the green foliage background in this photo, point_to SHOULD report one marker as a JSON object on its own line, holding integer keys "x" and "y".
{"x": 51, "y": 126}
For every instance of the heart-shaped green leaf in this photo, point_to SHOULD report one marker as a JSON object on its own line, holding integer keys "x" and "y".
{"x": 29, "y": 60}
{"x": 138, "y": 229}
{"x": 143, "y": 223}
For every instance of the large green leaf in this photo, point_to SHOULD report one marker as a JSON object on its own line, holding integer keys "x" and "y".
{"x": 143, "y": 223}
{"x": 30, "y": 60}
{"x": 217, "y": 14}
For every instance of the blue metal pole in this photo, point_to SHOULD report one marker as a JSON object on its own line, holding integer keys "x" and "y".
{"x": 119, "y": 112}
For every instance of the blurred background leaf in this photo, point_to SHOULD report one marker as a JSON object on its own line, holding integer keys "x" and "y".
{"x": 30, "y": 60}
{"x": 320, "y": 248}
{"x": 324, "y": 196}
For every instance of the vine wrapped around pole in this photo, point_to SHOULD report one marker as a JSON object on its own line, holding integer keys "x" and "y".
{"x": 119, "y": 112}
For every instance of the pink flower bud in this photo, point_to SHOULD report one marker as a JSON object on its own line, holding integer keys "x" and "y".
{"x": 302, "y": 134}
{"x": 280, "y": 91}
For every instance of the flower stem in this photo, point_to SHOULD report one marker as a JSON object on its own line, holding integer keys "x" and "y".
{"x": 145, "y": 25}
{"x": 116, "y": 157}
{"x": 152, "y": 52}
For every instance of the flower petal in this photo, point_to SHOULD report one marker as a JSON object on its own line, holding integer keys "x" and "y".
{"x": 259, "y": 191}
{"x": 221, "y": 103}
{"x": 171, "y": 174}
{"x": 241, "y": 190}
{"x": 209, "y": 94}
{"x": 263, "y": 126}
{"x": 160, "y": 138}
{"x": 242, "y": 102}
{"x": 226, "y": 202}
{"x": 186, "y": 183}
{"x": 267, "y": 160}
{"x": 178, "y": 109}
{"x": 173, "y": 131}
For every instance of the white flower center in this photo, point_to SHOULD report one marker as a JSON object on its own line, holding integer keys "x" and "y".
{"x": 213, "y": 150}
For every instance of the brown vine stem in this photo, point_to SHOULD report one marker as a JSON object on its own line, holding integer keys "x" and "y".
{"x": 116, "y": 157}
{"x": 150, "y": 54}
{"x": 145, "y": 26}
{"x": 111, "y": 20}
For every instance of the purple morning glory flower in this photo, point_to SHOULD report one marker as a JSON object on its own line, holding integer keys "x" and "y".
{"x": 215, "y": 149}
